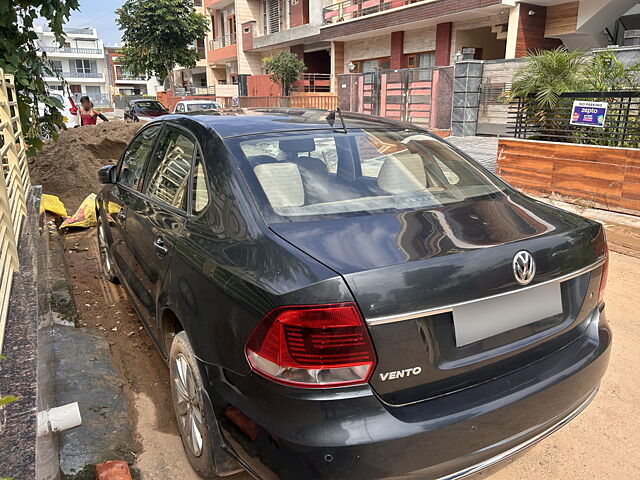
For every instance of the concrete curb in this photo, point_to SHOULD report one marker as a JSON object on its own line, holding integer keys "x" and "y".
{"x": 51, "y": 363}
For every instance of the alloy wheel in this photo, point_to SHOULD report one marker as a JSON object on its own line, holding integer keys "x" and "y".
{"x": 188, "y": 405}
{"x": 104, "y": 249}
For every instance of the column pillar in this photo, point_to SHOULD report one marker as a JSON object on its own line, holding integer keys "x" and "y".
{"x": 443, "y": 44}
{"x": 298, "y": 51}
{"x": 337, "y": 64}
{"x": 397, "y": 50}
{"x": 466, "y": 97}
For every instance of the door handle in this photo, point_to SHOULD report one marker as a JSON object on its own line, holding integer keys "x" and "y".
{"x": 161, "y": 248}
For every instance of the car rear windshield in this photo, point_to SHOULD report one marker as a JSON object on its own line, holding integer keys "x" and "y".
{"x": 296, "y": 176}
{"x": 149, "y": 106}
{"x": 194, "y": 107}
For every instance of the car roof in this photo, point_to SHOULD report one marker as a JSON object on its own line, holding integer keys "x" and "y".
{"x": 253, "y": 121}
{"x": 138, "y": 100}
{"x": 191, "y": 102}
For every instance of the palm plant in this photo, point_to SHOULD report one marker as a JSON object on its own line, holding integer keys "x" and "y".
{"x": 608, "y": 73}
{"x": 547, "y": 74}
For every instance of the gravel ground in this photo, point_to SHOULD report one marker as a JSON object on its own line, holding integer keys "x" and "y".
{"x": 602, "y": 443}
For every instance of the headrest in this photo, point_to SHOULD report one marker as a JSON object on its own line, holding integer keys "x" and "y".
{"x": 296, "y": 145}
{"x": 402, "y": 174}
{"x": 258, "y": 159}
{"x": 282, "y": 184}
{"x": 312, "y": 163}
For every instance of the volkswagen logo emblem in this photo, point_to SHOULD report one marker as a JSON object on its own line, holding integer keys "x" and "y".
{"x": 524, "y": 268}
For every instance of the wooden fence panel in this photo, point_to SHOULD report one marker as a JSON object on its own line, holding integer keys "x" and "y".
{"x": 14, "y": 187}
{"x": 595, "y": 176}
{"x": 325, "y": 102}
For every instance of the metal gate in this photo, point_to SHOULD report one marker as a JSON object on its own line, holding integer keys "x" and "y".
{"x": 422, "y": 96}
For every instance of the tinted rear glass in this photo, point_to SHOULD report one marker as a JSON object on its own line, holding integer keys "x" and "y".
{"x": 194, "y": 107}
{"x": 297, "y": 176}
{"x": 149, "y": 106}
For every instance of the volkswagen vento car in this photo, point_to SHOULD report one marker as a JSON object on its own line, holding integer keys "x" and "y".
{"x": 340, "y": 296}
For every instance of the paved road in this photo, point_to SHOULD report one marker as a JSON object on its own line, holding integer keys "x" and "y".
{"x": 482, "y": 149}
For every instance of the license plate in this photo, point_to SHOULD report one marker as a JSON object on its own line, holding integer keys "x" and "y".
{"x": 485, "y": 318}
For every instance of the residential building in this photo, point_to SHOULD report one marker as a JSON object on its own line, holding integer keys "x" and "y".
{"x": 244, "y": 32}
{"x": 195, "y": 78}
{"x": 355, "y": 36}
{"x": 370, "y": 34}
{"x": 121, "y": 82}
{"x": 80, "y": 61}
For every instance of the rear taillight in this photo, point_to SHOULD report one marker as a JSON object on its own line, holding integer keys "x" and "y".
{"x": 73, "y": 108}
{"x": 605, "y": 270}
{"x": 312, "y": 346}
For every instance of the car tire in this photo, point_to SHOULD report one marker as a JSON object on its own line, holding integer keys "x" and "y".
{"x": 188, "y": 404}
{"x": 105, "y": 256}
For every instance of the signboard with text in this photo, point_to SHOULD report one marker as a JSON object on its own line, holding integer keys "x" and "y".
{"x": 589, "y": 114}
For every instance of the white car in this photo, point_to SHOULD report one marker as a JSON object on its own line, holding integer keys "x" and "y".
{"x": 69, "y": 112}
{"x": 195, "y": 105}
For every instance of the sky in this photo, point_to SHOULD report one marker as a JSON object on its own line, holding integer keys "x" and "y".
{"x": 99, "y": 14}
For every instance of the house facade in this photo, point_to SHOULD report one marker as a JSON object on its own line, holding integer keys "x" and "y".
{"x": 196, "y": 78}
{"x": 120, "y": 81}
{"x": 356, "y": 36}
{"x": 80, "y": 61}
{"x": 392, "y": 34}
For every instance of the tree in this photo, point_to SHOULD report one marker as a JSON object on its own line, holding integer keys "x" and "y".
{"x": 285, "y": 68}
{"x": 159, "y": 35}
{"x": 19, "y": 56}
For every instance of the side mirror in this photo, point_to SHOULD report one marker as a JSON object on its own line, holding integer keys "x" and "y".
{"x": 107, "y": 174}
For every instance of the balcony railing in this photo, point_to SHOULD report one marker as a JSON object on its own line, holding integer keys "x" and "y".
{"x": 224, "y": 41}
{"x": 352, "y": 9}
{"x": 128, "y": 76}
{"x": 81, "y": 51}
{"x": 313, "y": 82}
{"x": 98, "y": 99}
{"x": 76, "y": 31}
{"x": 81, "y": 75}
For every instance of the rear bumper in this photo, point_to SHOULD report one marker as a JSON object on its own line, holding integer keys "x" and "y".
{"x": 518, "y": 448}
{"x": 349, "y": 433}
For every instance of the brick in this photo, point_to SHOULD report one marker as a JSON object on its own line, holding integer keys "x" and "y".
{"x": 113, "y": 470}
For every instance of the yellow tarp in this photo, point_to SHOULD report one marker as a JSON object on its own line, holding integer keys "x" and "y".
{"x": 52, "y": 204}
{"x": 85, "y": 216}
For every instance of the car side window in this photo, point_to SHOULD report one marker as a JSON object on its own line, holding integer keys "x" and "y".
{"x": 135, "y": 157}
{"x": 199, "y": 190}
{"x": 180, "y": 107}
{"x": 168, "y": 174}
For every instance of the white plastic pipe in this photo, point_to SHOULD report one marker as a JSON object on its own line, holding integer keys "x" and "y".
{"x": 59, "y": 419}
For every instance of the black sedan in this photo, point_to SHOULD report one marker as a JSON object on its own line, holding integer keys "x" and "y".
{"x": 340, "y": 296}
{"x": 144, "y": 110}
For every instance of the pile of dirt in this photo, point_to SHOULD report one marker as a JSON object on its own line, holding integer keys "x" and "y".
{"x": 69, "y": 167}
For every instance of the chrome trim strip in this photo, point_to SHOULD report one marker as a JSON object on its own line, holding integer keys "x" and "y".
{"x": 449, "y": 308}
{"x": 513, "y": 450}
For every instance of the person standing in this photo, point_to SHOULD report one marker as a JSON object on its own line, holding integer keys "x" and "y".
{"x": 88, "y": 114}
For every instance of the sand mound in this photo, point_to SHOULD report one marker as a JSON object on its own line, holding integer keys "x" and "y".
{"x": 69, "y": 167}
